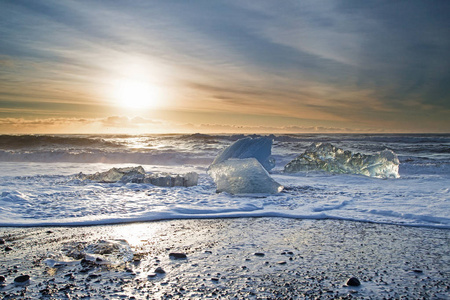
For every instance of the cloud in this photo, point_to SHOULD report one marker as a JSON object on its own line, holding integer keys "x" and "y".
{"x": 122, "y": 124}
{"x": 117, "y": 121}
{"x": 140, "y": 125}
{"x": 399, "y": 50}
{"x": 127, "y": 122}
{"x": 220, "y": 128}
{"x": 369, "y": 64}
{"x": 41, "y": 122}
{"x": 112, "y": 124}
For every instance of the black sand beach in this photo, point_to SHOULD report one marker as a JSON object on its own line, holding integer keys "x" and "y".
{"x": 249, "y": 258}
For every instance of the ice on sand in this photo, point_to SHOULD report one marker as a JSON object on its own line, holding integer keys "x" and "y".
{"x": 259, "y": 148}
{"x": 326, "y": 157}
{"x": 138, "y": 175}
{"x": 101, "y": 252}
{"x": 243, "y": 176}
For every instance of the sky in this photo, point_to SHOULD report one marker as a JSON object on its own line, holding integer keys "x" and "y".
{"x": 224, "y": 66}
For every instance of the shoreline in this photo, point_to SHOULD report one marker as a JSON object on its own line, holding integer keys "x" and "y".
{"x": 209, "y": 217}
{"x": 296, "y": 258}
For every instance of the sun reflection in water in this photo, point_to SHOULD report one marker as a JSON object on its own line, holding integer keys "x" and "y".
{"x": 138, "y": 234}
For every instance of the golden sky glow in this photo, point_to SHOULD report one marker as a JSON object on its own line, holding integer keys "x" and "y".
{"x": 224, "y": 66}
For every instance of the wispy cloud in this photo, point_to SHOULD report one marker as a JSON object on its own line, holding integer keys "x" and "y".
{"x": 366, "y": 64}
{"x": 111, "y": 124}
{"x": 123, "y": 124}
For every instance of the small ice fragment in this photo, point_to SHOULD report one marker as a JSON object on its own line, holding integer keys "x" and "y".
{"x": 58, "y": 260}
{"x": 131, "y": 174}
{"x": 138, "y": 175}
{"x": 243, "y": 176}
{"x": 168, "y": 180}
{"x": 259, "y": 148}
{"x": 109, "y": 252}
{"x": 159, "y": 180}
{"x": 326, "y": 157}
{"x": 190, "y": 179}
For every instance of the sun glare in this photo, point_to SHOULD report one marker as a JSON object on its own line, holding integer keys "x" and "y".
{"x": 135, "y": 94}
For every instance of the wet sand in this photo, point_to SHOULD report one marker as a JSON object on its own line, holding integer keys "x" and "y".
{"x": 248, "y": 258}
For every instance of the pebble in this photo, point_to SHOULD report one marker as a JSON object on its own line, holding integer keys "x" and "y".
{"x": 259, "y": 254}
{"x": 160, "y": 270}
{"x": 2, "y": 279}
{"x": 151, "y": 275}
{"x": 7, "y": 248}
{"x": 281, "y": 262}
{"x": 353, "y": 282}
{"x": 177, "y": 255}
{"x": 22, "y": 278}
{"x": 2, "y": 241}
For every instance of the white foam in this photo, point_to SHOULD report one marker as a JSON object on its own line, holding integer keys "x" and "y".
{"x": 38, "y": 186}
{"x": 36, "y": 194}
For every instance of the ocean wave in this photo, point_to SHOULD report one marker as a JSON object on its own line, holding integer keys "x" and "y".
{"x": 37, "y": 185}
{"x": 13, "y": 142}
{"x": 155, "y": 158}
{"x": 36, "y": 200}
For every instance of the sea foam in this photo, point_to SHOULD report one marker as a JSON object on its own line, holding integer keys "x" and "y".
{"x": 49, "y": 193}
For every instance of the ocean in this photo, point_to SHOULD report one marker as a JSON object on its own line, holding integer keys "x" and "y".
{"x": 39, "y": 184}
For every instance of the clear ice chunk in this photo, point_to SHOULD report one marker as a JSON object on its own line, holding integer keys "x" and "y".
{"x": 259, "y": 148}
{"x": 58, "y": 259}
{"x": 138, "y": 175}
{"x": 168, "y": 180}
{"x": 130, "y": 174}
{"x": 190, "y": 179}
{"x": 243, "y": 176}
{"x": 326, "y": 157}
{"x": 101, "y": 252}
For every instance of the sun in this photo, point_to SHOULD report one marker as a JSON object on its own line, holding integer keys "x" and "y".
{"x": 135, "y": 94}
